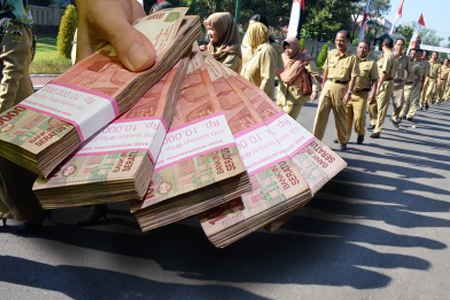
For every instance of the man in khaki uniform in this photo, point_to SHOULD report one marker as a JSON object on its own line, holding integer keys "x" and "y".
{"x": 340, "y": 72}
{"x": 447, "y": 86}
{"x": 445, "y": 70}
{"x": 433, "y": 80}
{"x": 403, "y": 71}
{"x": 426, "y": 65}
{"x": 15, "y": 57}
{"x": 17, "y": 200}
{"x": 387, "y": 67}
{"x": 412, "y": 86}
{"x": 365, "y": 82}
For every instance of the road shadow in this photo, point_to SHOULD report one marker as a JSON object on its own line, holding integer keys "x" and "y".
{"x": 83, "y": 283}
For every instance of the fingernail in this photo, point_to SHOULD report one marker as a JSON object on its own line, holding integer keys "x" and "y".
{"x": 140, "y": 57}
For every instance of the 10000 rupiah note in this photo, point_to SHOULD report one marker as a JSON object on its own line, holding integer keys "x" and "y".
{"x": 117, "y": 153}
{"x": 274, "y": 178}
{"x": 45, "y": 128}
{"x": 316, "y": 162}
{"x": 199, "y": 152}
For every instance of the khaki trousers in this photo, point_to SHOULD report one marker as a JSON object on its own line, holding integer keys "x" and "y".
{"x": 447, "y": 93}
{"x": 386, "y": 90}
{"x": 17, "y": 200}
{"x": 408, "y": 92}
{"x": 423, "y": 94}
{"x": 331, "y": 99}
{"x": 290, "y": 103}
{"x": 373, "y": 113}
{"x": 415, "y": 100}
{"x": 356, "y": 112}
{"x": 432, "y": 92}
{"x": 398, "y": 100}
{"x": 15, "y": 58}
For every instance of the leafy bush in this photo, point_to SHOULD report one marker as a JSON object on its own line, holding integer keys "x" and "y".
{"x": 66, "y": 31}
{"x": 322, "y": 56}
{"x": 302, "y": 43}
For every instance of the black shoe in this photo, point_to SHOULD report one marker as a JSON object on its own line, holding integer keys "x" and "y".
{"x": 344, "y": 147}
{"x": 97, "y": 211}
{"x": 394, "y": 122}
{"x": 409, "y": 119}
{"x": 375, "y": 135}
{"x": 360, "y": 139}
{"x": 371, "y": 127}
{"x": 336, "y": 141}
{"x": 420, "y": 108}
{"x": 36, "y": 224}
{"x": 426, "y": 106}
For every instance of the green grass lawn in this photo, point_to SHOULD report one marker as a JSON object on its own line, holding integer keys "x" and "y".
{"x": 47, "y": 59}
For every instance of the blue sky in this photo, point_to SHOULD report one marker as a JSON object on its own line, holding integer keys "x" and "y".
{"x": 435, "y": 12}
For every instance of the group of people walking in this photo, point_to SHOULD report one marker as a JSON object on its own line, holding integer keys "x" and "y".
{"x": 352, "y": 85}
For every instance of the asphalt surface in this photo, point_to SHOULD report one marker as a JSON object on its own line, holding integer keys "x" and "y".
{"x": 379, "y": 230}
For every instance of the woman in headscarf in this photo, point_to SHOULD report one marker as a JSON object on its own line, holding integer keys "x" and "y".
{"x": 224, "y": 42}
{"x": 261, "y": 67}
{"x": 246, "y": 49}
{"x": 290, "y": 96}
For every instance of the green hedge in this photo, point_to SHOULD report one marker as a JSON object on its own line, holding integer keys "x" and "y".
{"x": 66, "y": 31}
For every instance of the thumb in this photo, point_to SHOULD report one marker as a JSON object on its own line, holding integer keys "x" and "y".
{"x": 134, "y": 49}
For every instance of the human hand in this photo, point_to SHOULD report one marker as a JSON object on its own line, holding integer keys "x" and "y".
{"x": 103, "y": 22}
{"x": 347, "y": 98}
{"x": 313, "y": 96}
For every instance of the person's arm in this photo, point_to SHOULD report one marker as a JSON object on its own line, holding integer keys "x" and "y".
{"x": 374, "y": 77}
{"x": 102, "y": 21}
{"x": 232, "y": 62}
{"x": 380, "y": 83}
{"x": 354, "y": 74}
{"x": 268, "y": 64}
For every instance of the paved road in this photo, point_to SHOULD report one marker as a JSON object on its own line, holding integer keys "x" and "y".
{"x": 379, "y": 230}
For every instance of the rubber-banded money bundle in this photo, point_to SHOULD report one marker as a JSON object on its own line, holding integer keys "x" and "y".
{"x": 116, "y": 163}
{"x": 270, "y": 143}
{"x": 44, "y": 129}
{"x": 199, "y": 166}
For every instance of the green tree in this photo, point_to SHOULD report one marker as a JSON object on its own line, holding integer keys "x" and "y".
{"x": 322, "y": 56}
{"x": 302, "y": 43}
{"x": 66, "y": 31}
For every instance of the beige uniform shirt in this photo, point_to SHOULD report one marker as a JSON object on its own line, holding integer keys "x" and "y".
{"x": 444, "y": 73}
{"x": 261, "y": 68}
{"x": 416, "y": 74}
{"x": 403, "y": 67}
{"x": 426, "y": 65}
{"x": 368, "y": 72}
{"x": 435, "y": 70}
{"x": 232, "y": 61}
{"x": 387, "y": 64}
{"x": 341, "y": 68}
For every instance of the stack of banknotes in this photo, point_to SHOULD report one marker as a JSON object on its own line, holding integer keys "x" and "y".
{"x": 189, "y": 137}
{"x": 47, "y": 127}
{"x": 199, "y": 166}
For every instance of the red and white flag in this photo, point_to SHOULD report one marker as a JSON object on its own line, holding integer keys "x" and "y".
{"x": 420, "y": 24}
{"x": 294, "y": 20}
{"x": 364, "y": 22}
{"x": 399, "y": 15}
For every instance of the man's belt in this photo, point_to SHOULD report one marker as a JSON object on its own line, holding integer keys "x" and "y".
{"x": 339, "y": 81}
{"x": 389, "y": 79}
{"x": 409, "y": 83}
{"x": 362, "y": 90}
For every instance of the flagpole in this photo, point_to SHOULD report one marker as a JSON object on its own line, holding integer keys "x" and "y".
{"x": 294, "y": 19}
{"x": 399, "y": 15}
{"x": 363, "y": 27}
